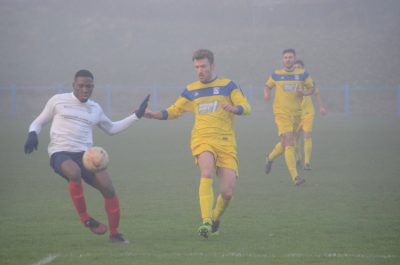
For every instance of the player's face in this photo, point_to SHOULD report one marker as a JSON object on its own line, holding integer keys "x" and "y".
{"x": 83, "y": 88}
{"x": 204, "y": 70}
{"x": 288, "y": 60}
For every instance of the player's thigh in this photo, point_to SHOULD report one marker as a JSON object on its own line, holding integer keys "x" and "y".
{"x": 71, "y": 170}
{"x": 206, "y": 164}
{"x": 287, "y": 139}
{"x": 102, "y": 182}
{"x": 64, "y": 164}
{"x": 227, "y": 181}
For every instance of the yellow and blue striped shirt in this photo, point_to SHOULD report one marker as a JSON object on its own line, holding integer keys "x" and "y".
{"x": 212, "y": 123}
{"x": 287, "y": 100}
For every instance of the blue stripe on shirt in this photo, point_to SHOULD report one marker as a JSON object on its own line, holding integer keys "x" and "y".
{"x": 209, "y": 91}
{"x": 290, "y": 77}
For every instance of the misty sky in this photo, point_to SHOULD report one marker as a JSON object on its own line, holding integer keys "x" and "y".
{"x": 123, "y": 42}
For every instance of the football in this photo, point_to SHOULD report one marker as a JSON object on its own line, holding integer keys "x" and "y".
{"x": 95, "y": 159}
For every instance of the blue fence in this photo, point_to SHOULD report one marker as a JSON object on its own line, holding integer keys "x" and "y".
{"x": 345, "y": 99}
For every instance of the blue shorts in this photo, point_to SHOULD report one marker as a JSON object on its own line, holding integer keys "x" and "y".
{"x": 58, "y": 158}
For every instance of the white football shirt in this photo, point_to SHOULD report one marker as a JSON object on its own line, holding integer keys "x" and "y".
{"x": 72, "y": 123}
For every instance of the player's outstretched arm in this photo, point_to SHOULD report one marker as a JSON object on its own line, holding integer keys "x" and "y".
{"x": 142, "y": 108}
{"x": 267, "y": 93}
{"x": 31, "y": 142}
{"x": 149, "y": 114}
{"x": 321, "y": 106}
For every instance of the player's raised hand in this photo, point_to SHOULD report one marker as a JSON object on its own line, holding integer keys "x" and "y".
{"x": 149, "y": 114}
{"x": 142, "y": 108}
{"x": 31, "y": 143}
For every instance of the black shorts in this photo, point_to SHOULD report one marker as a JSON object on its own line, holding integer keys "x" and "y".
{"x": 58, "y": 158}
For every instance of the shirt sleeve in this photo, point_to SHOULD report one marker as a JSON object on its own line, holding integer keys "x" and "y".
{"x": 270, "y": 82}
{"x": 308, "y": 82}
{"x": 316, "y": 91}
{"x": 177, "y": 109}
{"x": 44, "y": 117}
{"x": 112, "y": 128}
{"x": 240, "y": 101}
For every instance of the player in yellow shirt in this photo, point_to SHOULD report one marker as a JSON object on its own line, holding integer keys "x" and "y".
{"x": 214, "y": 102}
{"x": 291, "y": 84}
{"x": 306, "y": 124}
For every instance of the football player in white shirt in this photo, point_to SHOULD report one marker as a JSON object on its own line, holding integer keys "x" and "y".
{"x": 73, "y": 115}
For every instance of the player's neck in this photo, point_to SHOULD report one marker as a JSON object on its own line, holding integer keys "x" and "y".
{"x": 291, "y": 69}
{"x": 212, "y": 79}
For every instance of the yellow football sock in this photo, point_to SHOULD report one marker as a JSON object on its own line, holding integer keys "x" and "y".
{"x": 291, "y": 161}
{"x": 307, "y": 150}
{"x": 206, "y": 198}
{"x": 277, "y": 151}
{"x": 220, "y": 207}
{"x": 297, "y": 148}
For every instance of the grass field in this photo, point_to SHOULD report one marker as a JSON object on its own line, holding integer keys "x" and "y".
{"x": 348, "y": 212}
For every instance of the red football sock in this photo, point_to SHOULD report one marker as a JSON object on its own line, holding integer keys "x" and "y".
{"x": 78, "y": 198}
{"x": 113, "y": 213}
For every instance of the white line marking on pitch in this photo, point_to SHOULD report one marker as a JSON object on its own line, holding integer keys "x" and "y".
{"x": 47, "y": 260}
{"x": 244, "y": 255}
{"x": 51, "y": 257}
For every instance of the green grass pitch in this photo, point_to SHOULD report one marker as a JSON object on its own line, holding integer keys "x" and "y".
{"x": 348, "y": 212}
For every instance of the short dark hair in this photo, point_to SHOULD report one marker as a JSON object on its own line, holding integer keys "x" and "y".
{"x": 299, "y": 62}
{"x": 289, "y": 51}
{"x": 84, "y": 73}
{"x": 203, "y": 54}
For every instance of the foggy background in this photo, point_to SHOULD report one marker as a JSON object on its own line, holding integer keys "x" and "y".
{"x": 351, "y": 49}
{"x": 125, "y": 42}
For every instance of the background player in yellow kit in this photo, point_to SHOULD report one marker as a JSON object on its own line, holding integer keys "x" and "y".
{"x": 291, "y": 85}
{"x": 306, "y": 123}
{"x": 214, "y": 102}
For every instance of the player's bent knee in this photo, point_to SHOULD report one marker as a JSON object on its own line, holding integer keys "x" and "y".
{"x": 227, "y": 194}
{"x": 206, "y": 174}
{"x": 108, "y": 192}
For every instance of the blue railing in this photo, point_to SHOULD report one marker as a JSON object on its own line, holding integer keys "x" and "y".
{"x": 347, "y": 99}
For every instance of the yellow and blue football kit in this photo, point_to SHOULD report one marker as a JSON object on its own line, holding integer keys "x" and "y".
{"x": 306, "y": 125}
{"x": 213, "y": 131}
{"x": 307, "y": 113}
{"x": 287, "y": 100}
{"x": 213, "y": 128}
{"x": 287, "y": 106}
